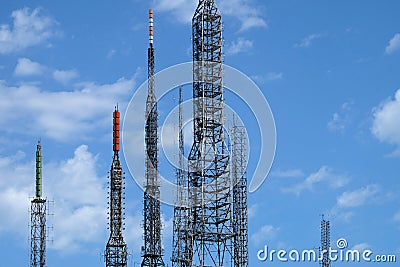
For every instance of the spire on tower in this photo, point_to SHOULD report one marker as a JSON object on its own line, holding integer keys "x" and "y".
{"x": 38, "y": 217}
{"x": 151, "y": 33}
{"x": 116, "y": 252}
{"x": 116, "y": 130}
{"x": 38, "y": 170}
{"x": 152, "y": 251}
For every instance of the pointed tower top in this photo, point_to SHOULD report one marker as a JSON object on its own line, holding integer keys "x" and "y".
{"x": 116, "y": 130}
{"x": 151, "y": 33}
{"x": 38, "y": 170}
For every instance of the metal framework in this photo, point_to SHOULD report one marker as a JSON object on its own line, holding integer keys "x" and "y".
{"x": 180, "y": 224}
{"x": 152, "y": 251}
{"x": 116, "y": 251}
{"x": 240, "y": 212}
{"x": 325, "y": 242}
{"x": 210, "y": 233}
{"x": 38, "y": 218}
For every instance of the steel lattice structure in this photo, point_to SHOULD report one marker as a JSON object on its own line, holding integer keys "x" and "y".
{"x": 180, "y": 224}
{"x": 116, "y": 251}
{"x": 152, "y": 251}
{"x": 325, "y": 242}
{"x": 210, "y": 233}
{"x": 38, "y": 218}
{"x": 240, "y": 212}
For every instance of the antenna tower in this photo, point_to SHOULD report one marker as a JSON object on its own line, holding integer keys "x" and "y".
{"x": 116, "y": 252}
{"x": 210, "y": 231}
{"x": 180, "y": 225}
{"x": 240, "y": 212}
{"x": 152, "y": 251}
{"x": 325, "y": 242}
{"x": 38, "y": 218}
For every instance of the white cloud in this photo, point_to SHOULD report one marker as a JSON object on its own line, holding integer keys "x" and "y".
{"x": 243, "y": 10}
{"x": 27, "y": 67}
{"x": 264, "y": 234}
{"x": 324, "y": 174}
{"x": 30, "y": 28}
{"x": 341, "y": 119}
{"x": 307, "y": 41}
{"x": 385, "y": 121}
{"x": 111, "y": 54}
{"x": 274, "y": 76}
{"x": 252, "y": 211}
{"x": 14, "y": 205}
{"x": 357, "y": 197}
{"x": 61, "y": 115}
{"x": 292, "y": 173}
{"x": 183, "y": 10}
{"x": 64, "y": 76}
{"x": 361, "y": 247}
{"x": 397, "y": 217}
{"x": 344, "y": 216}
{"x": 394, "y": 44}
{"x": 239, "y": 46}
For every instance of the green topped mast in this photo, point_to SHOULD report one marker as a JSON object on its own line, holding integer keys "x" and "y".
{"x": 38, "y": 170}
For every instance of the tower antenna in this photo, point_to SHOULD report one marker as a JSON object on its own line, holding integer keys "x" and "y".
{"x": 38, "y": 217}
{"x": 116, "y": 252}
{"x": 152, "y": 251}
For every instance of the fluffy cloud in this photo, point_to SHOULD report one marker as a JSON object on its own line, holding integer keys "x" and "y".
{"x": 26, "y": 67}
{"x": 397, "y": 217}
{"x": 341, "y": 119}
{"x": 394, "y": 44}
{"x": 324, "y": 174}
{"x": 361, "y": 247}
{"x": 239, "y": 46}
{"x": 307, "y": 41}
{"x": 243, "y": 10}
{"x": 61, "y": 115}
{"x": 64, "y": 76}
{"x": 385, "y": 121}
{"x": 356, "y": 198}
{"x": 264, "y": 234}
{"x": 272, "y": 76}
{"x": 30, "y": 28}
{"x": 288, "y": 173}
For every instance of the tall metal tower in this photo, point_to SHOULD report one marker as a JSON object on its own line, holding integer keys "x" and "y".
{"x": 325, "y": 242}
{"x": 240, "y": 212}
{"x": 210, "y": 200}
{"x": 38, "y": 218}
{"x": 116, "y": 252}
{"x": 180, "y": 224}
{"x": 152, "y": 250}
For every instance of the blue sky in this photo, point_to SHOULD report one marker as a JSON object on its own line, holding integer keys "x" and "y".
{"x": 329, "y": 70}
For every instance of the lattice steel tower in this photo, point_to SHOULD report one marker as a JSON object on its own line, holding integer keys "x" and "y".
{"x": 116, "y": 252}
{"x": 240, "y": 212}
{"x": 325, "y": 242}
{"x": 38, "y": 218}
{"x": 210, "y": 216}
{"x": 180, "y": 225}
{"x": 152, "y": 251}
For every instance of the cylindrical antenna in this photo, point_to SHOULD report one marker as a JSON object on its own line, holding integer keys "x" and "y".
{"x": 151, "y": 33}
{"x": 116, "y": 129}
{"x": 38, "y": 170}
